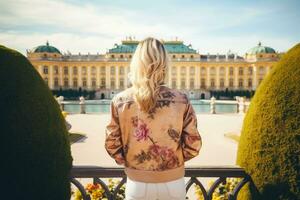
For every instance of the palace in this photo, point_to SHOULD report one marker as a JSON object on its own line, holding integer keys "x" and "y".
{"x": 190, "y": 71}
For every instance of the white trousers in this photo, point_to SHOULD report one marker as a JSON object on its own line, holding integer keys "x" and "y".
{"x": 173, "y": 190}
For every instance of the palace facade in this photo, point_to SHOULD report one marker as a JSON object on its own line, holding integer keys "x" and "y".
{"x": 190, "y": 71}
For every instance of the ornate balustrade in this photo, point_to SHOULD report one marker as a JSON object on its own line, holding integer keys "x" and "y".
{"x": 219, "y": 172}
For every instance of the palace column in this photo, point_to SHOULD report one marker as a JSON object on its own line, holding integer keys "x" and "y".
{"x": 97, "y": 77}
{"x": 178, "y": 82}
{"x": 60, "y": 68}
{"x": 79, "y": 77}
{"x": 70, "y": 76}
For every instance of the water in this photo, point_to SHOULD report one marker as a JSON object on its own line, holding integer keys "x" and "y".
{"x": 103, "y": 106}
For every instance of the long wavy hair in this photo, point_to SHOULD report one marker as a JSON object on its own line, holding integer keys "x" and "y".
{"x": 147, "y": 72}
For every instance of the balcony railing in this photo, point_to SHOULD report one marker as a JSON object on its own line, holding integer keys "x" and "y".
{"x": 192, "y": 173}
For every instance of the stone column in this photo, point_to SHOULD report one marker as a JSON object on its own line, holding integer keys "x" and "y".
{"x": 217, "y": 78}
{"x": 88, "y": 77}
{"x": 117, "y": 77}
{"x": 207, "y": 78}
{"x": 51, "y": 81}
{"x": 213, "y": 105}
{"x": 198, "y": 78}
{"x": 235, "y": 75}
{"x": 82, "y": 105}
{"x": 188, "y": 78}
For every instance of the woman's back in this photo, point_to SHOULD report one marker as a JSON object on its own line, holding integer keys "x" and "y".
{"x": 157, "y": 141}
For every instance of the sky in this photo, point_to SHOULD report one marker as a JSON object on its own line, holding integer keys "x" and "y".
{"x": 95, "y": 26}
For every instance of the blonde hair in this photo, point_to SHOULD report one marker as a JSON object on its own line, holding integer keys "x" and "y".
{"x": 147, "y": 72}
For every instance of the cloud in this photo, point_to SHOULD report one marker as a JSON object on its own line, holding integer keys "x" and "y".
{"x": 92, "y": 27}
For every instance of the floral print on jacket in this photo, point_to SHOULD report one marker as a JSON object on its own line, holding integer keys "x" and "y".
{"x": 162, "y": 139}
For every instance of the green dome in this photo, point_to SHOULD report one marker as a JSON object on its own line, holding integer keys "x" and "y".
{"x": 46, "y": 49}
{"x": 260, "y": 49}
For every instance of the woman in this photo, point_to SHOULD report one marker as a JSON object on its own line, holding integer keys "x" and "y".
{"x": 153, "y": 129}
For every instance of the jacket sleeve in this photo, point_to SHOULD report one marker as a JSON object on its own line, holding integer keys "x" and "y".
{"x": 113, "y": 141}
{"x": 191, "y": 139}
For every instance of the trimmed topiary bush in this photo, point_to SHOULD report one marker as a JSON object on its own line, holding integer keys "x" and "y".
{"x": 35, "y": 150}
{"x": 269, "y": 147}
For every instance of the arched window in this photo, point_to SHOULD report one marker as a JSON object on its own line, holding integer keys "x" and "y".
{"x": 203, "y": 84}
{"x": 173, "y": 83}
{"x": 121, "y": 56}
{"x": 250, "y": 70}
{"x": 121, "y": 83}
{"x": 56, "y": 84}
{"x": 112, "y": 83}
{"x": 182, "y": 83}
{"x": 222, "y": 84}
{"x": 212, "y": 83}
{"x": 192, "y": 83}
{"x": 174, "y": 56}
{"x": 250, "y": 82}
{"x": 231, "y": 82}
{"x": 102, "y": 83}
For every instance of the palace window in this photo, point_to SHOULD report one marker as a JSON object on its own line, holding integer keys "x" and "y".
{"x": 121, "y": 56}
{"x": 174, "y": 70}
{"x": 192, "y": 56}
{"x": 83, "y": 70}
{"x": 212, "y": 83}
{"x": 203, "y": 70}
{"x": 192, "y": 70}
{"x": 182, "y": 56}
{"x": 241, "y": 84}
{"x": 182, "y": 83}
{"x": 75, "y": 70}
{"x": 130, "y": 56}
{"x": 93, "y": 82}
{"x": 203, "y": 85}
{"x": 260, "y": 80}
{"x": 75, "y": 82}
{"x": 250, "y": 82}
{"x": 66, "y": 71}
{"x": 241, "y": 71}
{"x": 231, "y": 72}
{"x": 103, "y": 82}
{"x": 94, "y": 70}
{"x": 45, "y": 69}
{"x": 192, "y": 83}
{"x": 222, "y": 70}
{"x": 84, "y": 83}
{"x": 250, "y": 70}
{"x": 173, "y": 83}
{"x": 112, "y": 83}
{"x": 183, "y": 70}
{"x": 112, "y": 56}
{"x": 222, "y": 83}
{"x": 66, "y": 82}
{"x": 112, "y": 70}
{"x": 56, "y": 82}
{"x": 102, "y": 70}
{"x": 261, "y": 70}
{"x": 174, "y": 56}
{"x": 55, "y": 70}
{"x": 212, "y": 71}
{"x": 46, "y": 80}
{"x": 121, "y": 70}
{"x": 121, "y": 83}
{"x": 231, "y": 82}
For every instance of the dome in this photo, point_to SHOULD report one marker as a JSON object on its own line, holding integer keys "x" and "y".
{"x": 260, "y": 49}
{"x": 46, "y": 49}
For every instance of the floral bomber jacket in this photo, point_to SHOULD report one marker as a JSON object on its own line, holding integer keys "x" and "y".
{"x": 160, "y": 140}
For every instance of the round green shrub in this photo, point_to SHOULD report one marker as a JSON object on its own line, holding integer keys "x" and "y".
{"x": 269, "y": 147}
{"x": 35, "y": 151}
